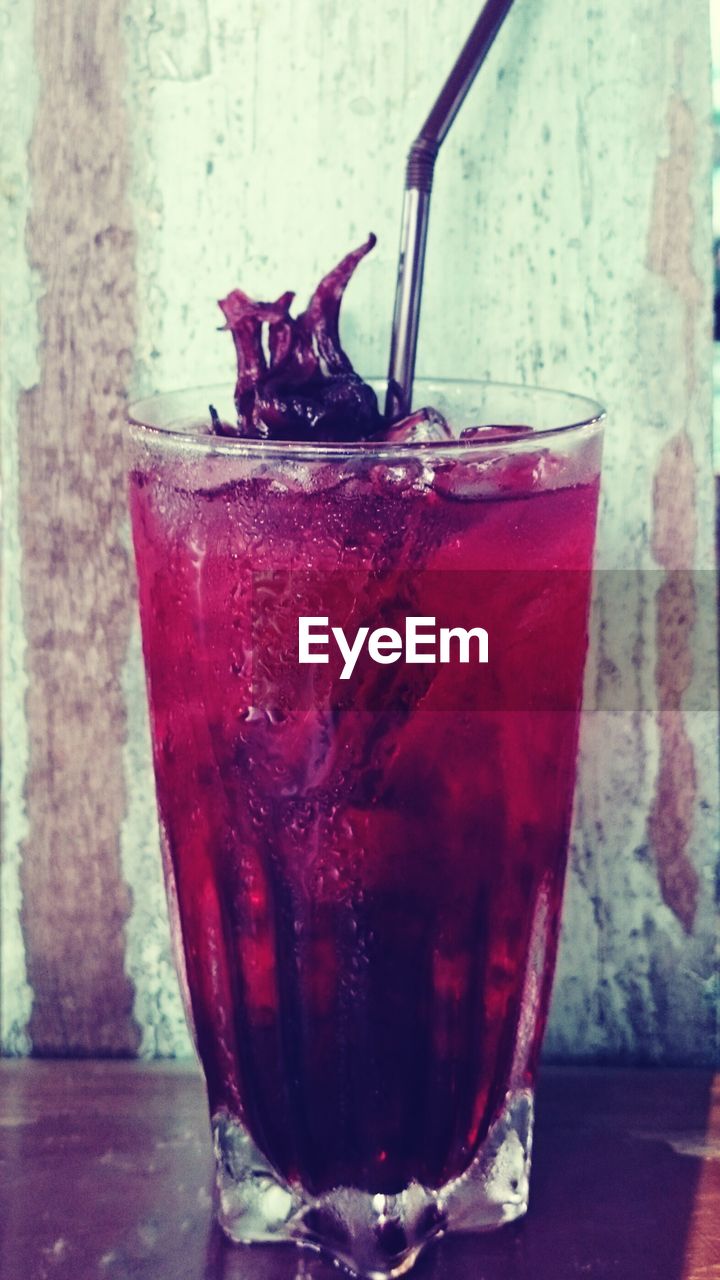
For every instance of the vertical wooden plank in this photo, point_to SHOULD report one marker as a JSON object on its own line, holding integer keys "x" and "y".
{"x": 675, "y": 525}
{"x": 76, "y": 571}
{"x": 19, "y": 289}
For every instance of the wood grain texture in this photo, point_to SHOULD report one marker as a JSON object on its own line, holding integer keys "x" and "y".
{"x": 76, "y": 576}
{"x": 186, "y": 146}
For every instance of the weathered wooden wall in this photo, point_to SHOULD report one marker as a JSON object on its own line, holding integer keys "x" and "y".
{"x": 156, "y": 154}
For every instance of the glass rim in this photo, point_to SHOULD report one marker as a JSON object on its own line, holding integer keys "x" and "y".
{"x": 592, "y": 417}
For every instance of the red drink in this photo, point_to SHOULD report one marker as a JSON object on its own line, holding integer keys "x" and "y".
{"x": 367, "y": 872}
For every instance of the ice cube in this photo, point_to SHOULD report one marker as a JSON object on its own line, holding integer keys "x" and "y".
{"x": 425, "y": 426}
{"x": 494, "y": 476}
{"x": 398, "y": 479}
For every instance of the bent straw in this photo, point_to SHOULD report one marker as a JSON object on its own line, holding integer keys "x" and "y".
{"x": 416, "y": 204}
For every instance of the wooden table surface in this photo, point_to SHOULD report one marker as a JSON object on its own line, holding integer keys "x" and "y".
{"x": 105, "y": 1175}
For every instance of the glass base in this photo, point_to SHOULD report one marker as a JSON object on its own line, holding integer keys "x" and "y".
{"x": 374, "y": 1236}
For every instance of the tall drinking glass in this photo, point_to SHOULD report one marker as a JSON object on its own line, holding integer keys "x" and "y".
{"x": 364, "y": 667}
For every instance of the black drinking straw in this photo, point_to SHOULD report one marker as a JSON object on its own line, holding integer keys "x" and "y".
{"x": 416, "y": 204}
